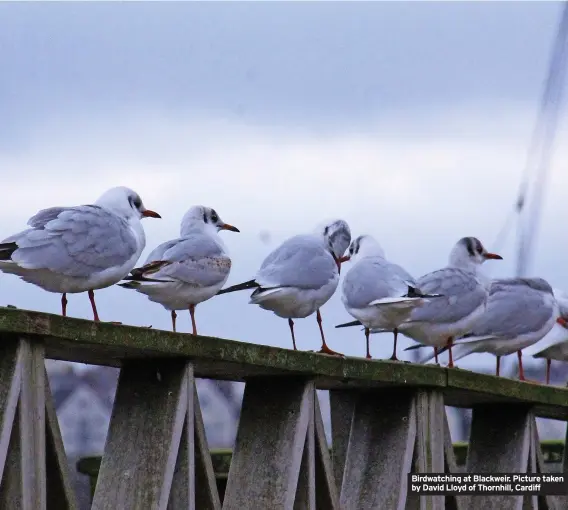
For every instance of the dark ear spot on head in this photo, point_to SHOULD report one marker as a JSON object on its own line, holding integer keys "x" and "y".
{"x": 469, "y": 246}
{"x": 205, "y": 220}
{"x": 325, "y": 231}
{"x": 479, "y": 247}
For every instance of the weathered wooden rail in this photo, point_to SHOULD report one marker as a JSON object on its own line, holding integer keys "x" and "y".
{"x": 388, "y": 418}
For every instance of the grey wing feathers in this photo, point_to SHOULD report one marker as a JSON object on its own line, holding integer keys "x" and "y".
{"x": 76, "y": 241}
{"x": 301, "y": 262}
{"x": 372, "y": 279}
{"x": 40, "y": 219}
{"x": 512, "y": 311}
{"x": 461, "y": 292}
{"x": 196, "y": 260}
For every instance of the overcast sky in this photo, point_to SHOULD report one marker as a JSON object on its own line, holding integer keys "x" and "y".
{"x": 409, "y": 120}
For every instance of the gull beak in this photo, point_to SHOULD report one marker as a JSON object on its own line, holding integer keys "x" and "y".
{"x": 492, "y": 256}
{"x": 563, "y": 322}
{"x": 226, "y": 226}
{"x": 147, "y": 213}
{"x": 339, "y": 261}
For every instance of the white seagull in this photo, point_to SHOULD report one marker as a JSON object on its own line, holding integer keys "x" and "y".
{"x": 298, "y": 278}
{"x": 380, "y": 294}
{"x": 520, "y": 312}
{"x": 183, "y": 272}
{"x": 69, "y": 250}
{"x": 464, "y": 296}
{"x": 554, "y": 345}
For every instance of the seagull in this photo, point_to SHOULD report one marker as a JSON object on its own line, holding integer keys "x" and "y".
{"x": 298, "y": 278}
{"x": 69, "y": 250}
{"x": 554, "y": 345}
{"x": 520, "y": 312}
{"x": 183, "y": 272}
{"x": 463, "y": 295}
{"x": 380, "y": 294}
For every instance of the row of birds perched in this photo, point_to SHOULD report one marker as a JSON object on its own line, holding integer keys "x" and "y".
{"x": 456, "y": 308}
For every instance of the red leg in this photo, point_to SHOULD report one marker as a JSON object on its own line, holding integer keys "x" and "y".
{"x": 291, "y": 324}
{"x": 367, "y": 333}
{"x": 64, "y": 304}
{"x": 324, "y": 348}
{"x": 192, "y": 313}
{"x": 174, "y": 317}
{"x": 498, "y": 366}
{"x": 449, "y": 345}
{"x": 436, "y": 355}
{"x": 93, "y": 305}
{"x": 393, "y": 357}
{"x": 521, "y": 372}
{"x": 548, "y": 363}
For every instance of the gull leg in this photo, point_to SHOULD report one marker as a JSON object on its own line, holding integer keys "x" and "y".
{"x": 436, "y": 355}
{"x": 521, "y": 371}
{"x": 174, "y": 317}
{"x": 324, "y": 348}
{"x": 93, "y": 305}
{"x": 548, "y": 363}
{"x": 64, "y": 304}
{"x": 449, "y": 345}
{"x": 498, "y": 366}
{"x": 192, "y": 313}
{"x": 291, "y": 324}
{"x": 367, "y": 332}
{"x": 393, "y": 357}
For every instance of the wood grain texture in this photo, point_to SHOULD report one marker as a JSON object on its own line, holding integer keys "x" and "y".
{"x": 270, "y": 441}
{"x": 499, "y": 443}
{"x": 144, "y": 436}
{"x": 60, "y": 491}
{"x": 342, "y": 406}
{"x": 11, "y": 367}
{"x": 206, "y": 493}
{"x": 306, "y": 490}
{"x": 182, "y": 492}
{"x": 380, "y": 451}
{"x": 11, "y": 486}
{"x": 327, "y": 493}
{"x": 32, "y": 426}
{"x": 430, "y": 414}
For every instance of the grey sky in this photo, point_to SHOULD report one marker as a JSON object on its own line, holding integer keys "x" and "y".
{"x": 410, "y": 120}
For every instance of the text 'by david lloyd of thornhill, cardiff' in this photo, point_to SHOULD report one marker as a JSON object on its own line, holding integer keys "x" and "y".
{"x": 483, "y": 483}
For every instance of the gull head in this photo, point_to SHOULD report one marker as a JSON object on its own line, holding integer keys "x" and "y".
{"x": 126, "y": 203}
{"x": 200, "y": 217}
{"x": 336, "y": 237}
{"x": 363, "y": 246}
{"x": 470, "y": 253}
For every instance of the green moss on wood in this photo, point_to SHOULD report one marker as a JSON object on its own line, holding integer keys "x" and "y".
{"x": 105, "y": 343}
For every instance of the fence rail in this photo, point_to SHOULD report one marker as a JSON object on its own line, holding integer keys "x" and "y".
{"x": 388, "y": 418}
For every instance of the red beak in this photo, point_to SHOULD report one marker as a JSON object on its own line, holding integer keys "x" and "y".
{"x": 339, "y": 261}
{"x": 226, "y": 226}
{"x": 493, "y": 256}
{"x": 150, "y": 214}
{"x": 563, "y": 322}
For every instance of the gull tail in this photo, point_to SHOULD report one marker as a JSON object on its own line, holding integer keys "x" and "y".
{"x": 413, "y": 292}
{"x": 417, "y": 346}
{"x": 130, "y": 285}
{"x": 251, "y": 284}
{"x": 6, "y": 250}
{"x": 349, "y": 324}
